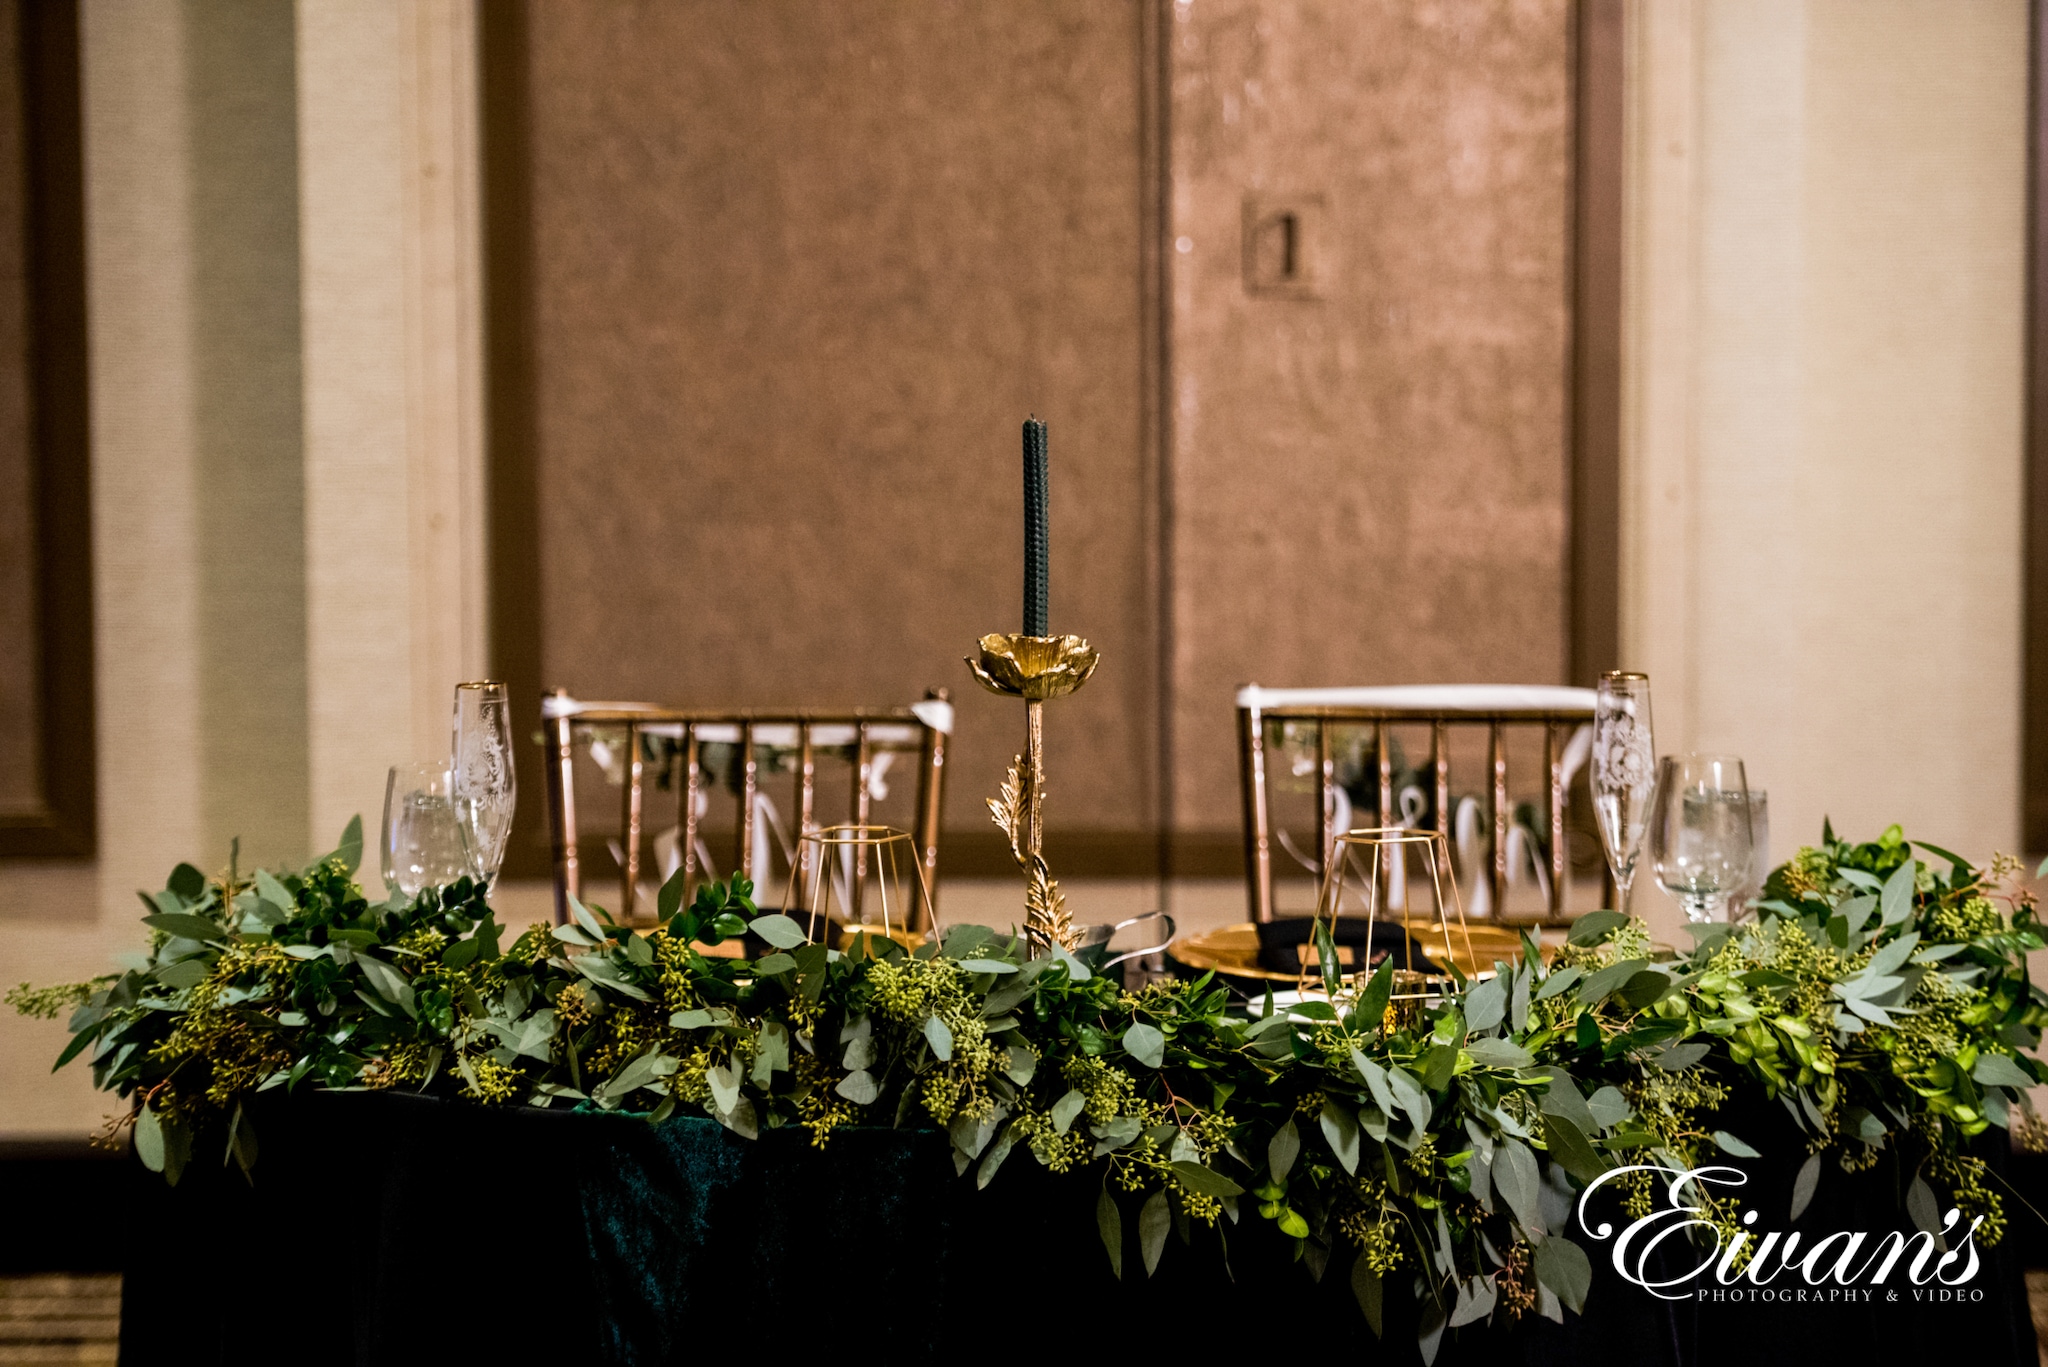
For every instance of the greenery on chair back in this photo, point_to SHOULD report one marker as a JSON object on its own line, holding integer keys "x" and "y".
{"x": 1410, "y": 1144}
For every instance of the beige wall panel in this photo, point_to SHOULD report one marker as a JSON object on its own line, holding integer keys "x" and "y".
{"x": 250, "y": 489}
{"x": 64, "y": 921}
{"x": 1824, "y": 464}
{"x": 801, "y": 271}
{"x": 1368, "y": 483}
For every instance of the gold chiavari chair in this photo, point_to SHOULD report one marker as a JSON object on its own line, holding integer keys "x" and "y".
{"x": 629, "y": 733}
{"x": 1563, "y": 715}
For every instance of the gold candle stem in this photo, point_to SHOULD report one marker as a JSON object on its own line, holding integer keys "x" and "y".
{"x": 1034, "y": 777}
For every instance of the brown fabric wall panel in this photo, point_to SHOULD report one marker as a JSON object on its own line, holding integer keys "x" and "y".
{"x": 799, "y": 271}
{"x": 1370, "y": 464}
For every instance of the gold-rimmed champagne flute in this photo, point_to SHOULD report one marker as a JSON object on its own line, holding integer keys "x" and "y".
{"x": 1624, "y": 772}
{"x": 486, "y": 788}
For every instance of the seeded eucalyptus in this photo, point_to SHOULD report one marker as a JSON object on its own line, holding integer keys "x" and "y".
{"x": 1888, "y": 1007}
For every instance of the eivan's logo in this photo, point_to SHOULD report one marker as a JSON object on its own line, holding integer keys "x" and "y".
{"x": 1830, "y": 1263}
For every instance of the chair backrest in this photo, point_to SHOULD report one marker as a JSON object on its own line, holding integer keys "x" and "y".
{"x": 864, "y": 734}
{"x": 1560, "y": 712}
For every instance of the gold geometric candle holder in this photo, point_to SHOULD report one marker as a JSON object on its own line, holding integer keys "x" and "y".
{"x": 1358, "y": 872}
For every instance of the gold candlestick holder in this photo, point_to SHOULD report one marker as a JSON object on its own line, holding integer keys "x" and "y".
{"x": 1036, "y": 669}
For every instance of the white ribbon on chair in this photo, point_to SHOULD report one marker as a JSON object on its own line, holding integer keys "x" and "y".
{"x": 1413, "y": 805}
{"x": 1340, "y": 821}
{"x": 1525, "y": 846}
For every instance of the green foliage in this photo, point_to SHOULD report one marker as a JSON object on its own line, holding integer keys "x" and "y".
{"x": 1887, "y": 1004}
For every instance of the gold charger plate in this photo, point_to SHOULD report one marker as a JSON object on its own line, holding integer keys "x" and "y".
{"x": 1233, "y": 951}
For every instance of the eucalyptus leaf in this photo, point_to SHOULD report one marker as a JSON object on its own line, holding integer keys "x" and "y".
{"x": 778, "y": 930}
{"x": 1486, "y": 1005}
{"x": 1365, "y": 1285}
{"x": 1921, "y": 1205}
{"x": 1340, "y": 1129}
{"x": 1145, "y": 1044}
{"x": 1594, "y": 927}
{"x": 350, "y": 850}
{"x": 1558, "y": 982}
{"x": 1564, "y": 1267}
{"x": 1897, "y": 899}
{"x": 1608, "y": 1107}
{"x": 183, "y": 974}
{"x": 1475, "y": 1300}
{"x": 1598, "y": 986}
{"x": 580, "y": 914}
{"x": 1728, "y": 1143}
{"x": 859, "y": 1087}
{"x": 1679, "y": 1057}
{"x": 1997, "y": 1070}
{"x": 1498, "y": 1053}
{"x": 1563, "y": 1098}
{"x": 1109, "y": 1224}
{"x": 149, "y": 1139}
{"x": 1205, "y": 1181}
{"x": 1570, "y": 1149}
{"x": 1282, "y": 1149}
{"x": 1154, "y": 1219}
{"x": 725, "y": 1087}
{"x": 993, "y": 1158}
{"x": 1375, "y": 1079}
{"x": 275, "y": 893}
{"x": 1408, "y": 1094}
{"x": 387, "y": 982}
{"x": 988, "y": 966}
{"x": 185, "y": 926}
{"x": 1804, "y": 1184}
{"x": 940, "y": 1036}
{"x": 1066, "y": 1109}
{"x": 1515, "y": 1178}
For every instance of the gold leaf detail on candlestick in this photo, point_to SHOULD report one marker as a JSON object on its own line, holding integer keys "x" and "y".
{"x": 1047, "y": 922}
{"x": 1034, "y": 667}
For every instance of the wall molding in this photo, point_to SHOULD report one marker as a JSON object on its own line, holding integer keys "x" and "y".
{"x": 66, "y": 826}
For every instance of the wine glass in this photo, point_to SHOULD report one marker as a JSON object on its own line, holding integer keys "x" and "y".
{"x": 1624, "y": 772}
{"x": 1752, "y": 890}
{"x": 1700, "y": 839}
{"x": 424, "y": 844}
{"x": 486, "y": 789}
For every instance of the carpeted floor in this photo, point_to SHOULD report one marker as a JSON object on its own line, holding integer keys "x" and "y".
{"x": 60, "y": 1319}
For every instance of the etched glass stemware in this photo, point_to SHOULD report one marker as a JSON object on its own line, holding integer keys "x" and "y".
{"x": 1624, "y": 772}
{"x": 486, "y": 789}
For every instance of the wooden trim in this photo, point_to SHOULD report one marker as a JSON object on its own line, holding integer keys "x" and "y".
{"x": 55, "y": 202}
{"x": 510, "y": 440}
{"x": 2034, "y": 619}
{"x": 983, "y": 853}
{"x": 1595, "y": 392}
{"x": 1155, "y": 264}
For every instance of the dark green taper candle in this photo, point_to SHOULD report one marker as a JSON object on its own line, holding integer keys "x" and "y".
{"x": 1034, "y": 528}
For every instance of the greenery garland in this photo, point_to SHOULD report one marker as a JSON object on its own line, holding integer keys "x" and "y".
{"x": 1887, "y": 1005}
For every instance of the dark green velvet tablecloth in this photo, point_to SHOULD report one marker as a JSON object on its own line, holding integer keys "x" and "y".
{"x": 394, "y": 1229}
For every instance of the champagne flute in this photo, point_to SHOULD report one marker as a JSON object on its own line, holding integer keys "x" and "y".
{"x": 1624, "y": 772}
{"x": 486, "y": 790}
{"x": 424, "y": 845}
{"x": 1700, "y": 837}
